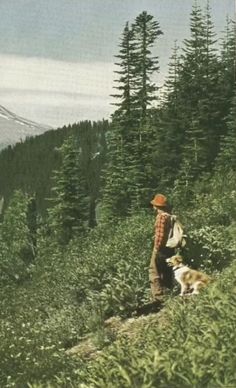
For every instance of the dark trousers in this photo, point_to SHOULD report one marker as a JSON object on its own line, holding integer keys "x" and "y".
{"x": 160, "y": 274}
{"x": 165, "y": 272}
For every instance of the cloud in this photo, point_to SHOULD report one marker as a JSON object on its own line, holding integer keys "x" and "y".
{"x": 56, "y": 92}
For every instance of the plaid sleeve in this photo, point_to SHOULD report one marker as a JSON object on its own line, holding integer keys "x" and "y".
{"x": 161, "y": 230}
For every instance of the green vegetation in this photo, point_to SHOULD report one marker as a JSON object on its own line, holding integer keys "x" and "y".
{"x": 192, "y": 344}
{"x": 71, "y": 292}
{"x": 76, "y": 230}
{"x": 29, "y": 166}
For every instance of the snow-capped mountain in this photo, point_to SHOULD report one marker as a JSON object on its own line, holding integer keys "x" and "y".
{"x": 14, "y": 128}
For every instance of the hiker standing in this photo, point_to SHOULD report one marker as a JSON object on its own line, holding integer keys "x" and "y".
{"x": 160, "y": 275}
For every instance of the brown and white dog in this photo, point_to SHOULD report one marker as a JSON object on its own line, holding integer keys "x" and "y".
{"x": 191, "y": 281}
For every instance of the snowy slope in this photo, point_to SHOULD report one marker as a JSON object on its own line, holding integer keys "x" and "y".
{"x": 14, "y": 128}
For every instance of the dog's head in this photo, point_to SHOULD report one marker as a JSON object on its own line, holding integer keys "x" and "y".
{"x": 175, "y": 261}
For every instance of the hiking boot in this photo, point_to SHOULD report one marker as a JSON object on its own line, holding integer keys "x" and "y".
{"x": 158, "y": 295}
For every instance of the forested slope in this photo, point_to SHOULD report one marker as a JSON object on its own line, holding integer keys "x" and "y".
{"x": 62, "y": 277}
{"x": 29, "y": 165}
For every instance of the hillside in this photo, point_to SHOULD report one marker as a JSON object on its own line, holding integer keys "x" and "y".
{"x": 77, "y": 228}
{"x": 14, "y": 129}
{"x": 29, "y": 165}
{"x": 92, "y": 305}
{"x": 190, "y": 343}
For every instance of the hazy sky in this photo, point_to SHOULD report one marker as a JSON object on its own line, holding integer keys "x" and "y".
{"x": 56, "y": 56}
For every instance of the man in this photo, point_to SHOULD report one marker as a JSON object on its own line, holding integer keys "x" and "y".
{"x": 160, "y": 275}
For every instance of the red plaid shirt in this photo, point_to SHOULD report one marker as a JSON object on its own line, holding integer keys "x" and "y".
{"x": 162, "y": 229}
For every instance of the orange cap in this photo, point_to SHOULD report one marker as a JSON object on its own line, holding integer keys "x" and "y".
{"x": 159, "y": 200}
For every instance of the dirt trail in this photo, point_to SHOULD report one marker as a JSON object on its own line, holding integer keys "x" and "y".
{"x": 116, "y": 328}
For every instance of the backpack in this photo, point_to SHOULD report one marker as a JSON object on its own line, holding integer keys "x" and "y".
{"x": 176, "y": 237}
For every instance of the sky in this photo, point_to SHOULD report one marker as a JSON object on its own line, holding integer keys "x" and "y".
{"x": 57, "y": 56}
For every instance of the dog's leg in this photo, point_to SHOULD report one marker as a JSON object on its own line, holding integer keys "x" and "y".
{"x": 189, "y": 290}
{"x": 196, "y": 287}
{"x": 183, "y": 289}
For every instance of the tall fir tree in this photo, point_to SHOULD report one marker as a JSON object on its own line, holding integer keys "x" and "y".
{"x": 92, "y": 143}
{"x": 115, "y": 196}
{"x": 169, "y": 124}
{"x": 199, "y": 91}
{"x": 70, "y": 212}
{"x": 146, "y": 30}
{"x": 211, "y": 115}
{"x": 125, "y": 113}
{"x": 141, "y": 169}
{"x": 129, "y": 177}
{"x": 228, "y": 66}
{"x": 227, "y": 157}
{"x": 17, "y": 245}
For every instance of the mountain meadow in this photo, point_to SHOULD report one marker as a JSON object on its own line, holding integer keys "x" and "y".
{"x": 76, "y": 227}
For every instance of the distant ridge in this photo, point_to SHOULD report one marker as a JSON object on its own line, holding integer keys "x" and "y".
{"x": 14, "y": 128}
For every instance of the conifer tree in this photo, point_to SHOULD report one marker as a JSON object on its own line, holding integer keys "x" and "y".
{"x": 129, "y": 176}
{"x": 211, "y": 117}
{"x": 92, "y": 141}
{"x": 146, "y": 30}
{"x": 16, "y": 239}
{"x": 227, "y": 156}
{"x": 125, "y": 114}
{"x": 29, "y": 165}
{"x": 69, "y": 215}
{"x": 169, "y": 125}
{"x": 196, "y": 148}
{"x": 228, "y": 66}
{"x": 115, "y": 197}
{"x": 141, "y": 169}
{"x": 199, "y": 90}
{"x": 171, "y": 86}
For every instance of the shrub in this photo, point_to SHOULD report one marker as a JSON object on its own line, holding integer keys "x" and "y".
{"x": 72, "y": 290}
{"x": 195, "y": 347}
{"x": 16, "y": 242}
{"x": 114, "y": 265}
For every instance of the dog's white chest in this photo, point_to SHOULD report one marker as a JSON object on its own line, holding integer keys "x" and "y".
{"x": 179, "y": 272}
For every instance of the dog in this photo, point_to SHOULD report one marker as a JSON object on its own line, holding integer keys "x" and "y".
{"x": 190, "y": 280}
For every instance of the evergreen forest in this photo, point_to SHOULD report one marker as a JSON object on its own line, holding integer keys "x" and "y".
{"x": 76, "y": 226}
